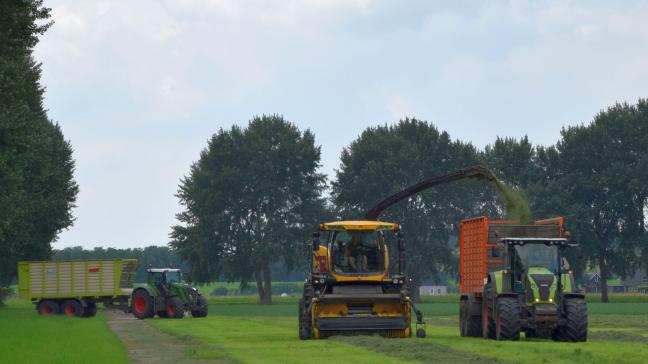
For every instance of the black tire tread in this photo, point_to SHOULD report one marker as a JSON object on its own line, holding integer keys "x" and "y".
{"x": 508, "y": 312}
{"x": 202, "y": 309}
{"x": 575, "y": 329}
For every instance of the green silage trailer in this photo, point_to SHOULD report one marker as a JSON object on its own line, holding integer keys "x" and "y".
{"x": 74, "y": 288}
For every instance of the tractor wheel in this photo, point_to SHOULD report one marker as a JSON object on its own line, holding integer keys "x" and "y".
{"x": 142, "y": 304}
{"x": 507, "y": 320}
{"x": 575, "y": 329}
{"x": 90, "y": 309}
{"x": 175, "y": 307}
{"x": 201, "y": 309}
{"x": 48, "y": 307}
{"x": 72, "y": 308}
{"x": 163, "y": 314}
{"x": 488, "y": 322}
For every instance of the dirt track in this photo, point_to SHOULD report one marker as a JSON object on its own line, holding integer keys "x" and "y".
{"x": 144, "y": 343}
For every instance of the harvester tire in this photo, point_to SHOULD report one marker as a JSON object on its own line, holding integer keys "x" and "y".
{"x": 142, "y": 304}
{"x": 90, "y": 309}
{"x": 201, "y": 308}
{"x": 162, "y": 314}
{"x": 175, "y": 308}
{"x": 48, "y": 307}
{"x": 507, "y": 318}
{"x": 575, "y": 329}
{"x": 305, "y": 325}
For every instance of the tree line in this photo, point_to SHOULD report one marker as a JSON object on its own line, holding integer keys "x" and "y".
{"x": 255, "y": 193}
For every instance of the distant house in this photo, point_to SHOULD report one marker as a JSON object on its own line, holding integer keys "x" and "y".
{"x": 433, "y": 290}
{"x": 638, "y": 283}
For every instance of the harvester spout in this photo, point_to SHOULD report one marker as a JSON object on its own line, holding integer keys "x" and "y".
{"x": 477, "y": 171}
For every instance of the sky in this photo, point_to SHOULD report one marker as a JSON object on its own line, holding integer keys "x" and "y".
{"x": 138, "y": 87}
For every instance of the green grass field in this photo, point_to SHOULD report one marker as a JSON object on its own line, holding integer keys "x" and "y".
{"x": 240, "y": 330}
{"x": 27, "y": 337}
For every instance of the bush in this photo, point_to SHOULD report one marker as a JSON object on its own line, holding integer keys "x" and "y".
{"x": 5, "y": 292}
{"x": 219, "y": 291}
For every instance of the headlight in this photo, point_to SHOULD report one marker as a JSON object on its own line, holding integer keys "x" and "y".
{"x": 537, "y": 300}
{"x": 395, "y": 281}
{"x": 551, "y": 300}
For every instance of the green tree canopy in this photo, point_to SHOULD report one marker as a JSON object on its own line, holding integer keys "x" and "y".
{"x": 249, "y": 200}
{"x": 37, "y": 189}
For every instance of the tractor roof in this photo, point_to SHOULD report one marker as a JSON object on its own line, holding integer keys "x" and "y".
{"x": 359, "y": 225}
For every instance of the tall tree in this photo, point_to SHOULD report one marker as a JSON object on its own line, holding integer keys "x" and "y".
{"x": 253, "y": 195}
{"x": 603, "y": 173}
{"x": 386, "y": 159}
{"x": 37, "y": 189}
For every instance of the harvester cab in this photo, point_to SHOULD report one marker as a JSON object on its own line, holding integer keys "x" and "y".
{"x": 520, "y": 282}
{"x": 351, "y": 287}
{"x": 167, "y": 295}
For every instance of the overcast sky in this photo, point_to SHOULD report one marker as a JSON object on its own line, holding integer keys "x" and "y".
{"x": 139, "y": 86}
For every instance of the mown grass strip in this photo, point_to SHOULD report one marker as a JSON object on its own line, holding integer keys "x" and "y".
{"x": 30, "y": 338}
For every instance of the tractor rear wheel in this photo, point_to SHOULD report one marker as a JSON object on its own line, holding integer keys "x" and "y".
{"x": 175, "y": 307}
{"x": 142, "y": 304}
{"x": 507, "y": 318}
{"x": 163, "y": 314}
{"x": 575, "y": 329}
{"x": 72, "y": 308}
{"x": 48, "y": 307}
{"x": 90, "y": 309}
{"x": 201, "y": 309}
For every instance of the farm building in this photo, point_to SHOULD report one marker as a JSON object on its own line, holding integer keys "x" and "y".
{"x": 433, "y": 290}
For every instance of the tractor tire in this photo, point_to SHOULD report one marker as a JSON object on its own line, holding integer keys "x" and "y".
{"x": 575, "y": 328}
{"x": 201, "y": 309}
{"x": 163, "y": 314}
{"x": 142, "y": 304}
{"x": 48, "y": 308}
{"x": 175, "y": 308}
{"x": 72, "y": 308}
{"x": 487, "y": 320}
{"x": 470, "y": 324}
{"x": 90, "y": 310}
{"x": 507, "y": 318}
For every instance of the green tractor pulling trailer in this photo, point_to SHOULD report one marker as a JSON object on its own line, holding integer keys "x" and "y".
{"x": 515, "y": 278}
{"x": 166, "y": 295}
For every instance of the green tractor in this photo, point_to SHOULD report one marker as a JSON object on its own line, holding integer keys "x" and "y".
{"x": 166, "y": 295}
{"x": 534, "y": 293}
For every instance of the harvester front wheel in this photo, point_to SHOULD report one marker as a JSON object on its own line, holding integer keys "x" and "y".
{"x": 142, "y": 304}
{"x": 507, "y": 320}
{"x": 575, "y": 329}
{"x": 72, "y": 308}
{"x": 175, "y": 308}
{"x": 201, "y": 307}
{"x": 48, "y": 307}
{"x": 305, "y": 326}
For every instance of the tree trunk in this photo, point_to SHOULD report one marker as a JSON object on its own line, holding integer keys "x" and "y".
{"x": 604, "y": 276}
{"x": 259, "y": 283}
{"x": 267, "y": 285}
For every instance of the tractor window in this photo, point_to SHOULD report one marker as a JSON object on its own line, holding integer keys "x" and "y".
{"x": 156, "y": 278}
{"x": 358, "y": 252}
{"x": 173, "y": 277}
{"x": 538, "y": 255}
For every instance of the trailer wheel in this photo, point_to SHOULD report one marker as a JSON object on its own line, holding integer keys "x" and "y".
{"x": 72, "y": 308}
{"x": 90, "y": 309}
{"x": 202, "y": 307}
{"x": 488, "y": 322}
{"x": 420, "y": 333}
{"x": 142, "y": 304}
{"x": 175, "y": 307}
{"x": 470, "y": 324}
{"x": 507, "y": 320}
{"x": 575, "y": 329}
{"x": 48, "y": 307}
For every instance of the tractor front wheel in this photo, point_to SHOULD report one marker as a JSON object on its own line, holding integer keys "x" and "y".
{"x": 142, "y": 304}
{"x": 201, "y": 309}
{"x": 507, "y": 320}
{"x": 575, "y": 329}
{"x": 175, "y": 307}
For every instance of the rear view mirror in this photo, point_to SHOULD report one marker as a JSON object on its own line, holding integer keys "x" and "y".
{"x": 316, "y": 244}
{"x": 401, "y": 243}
